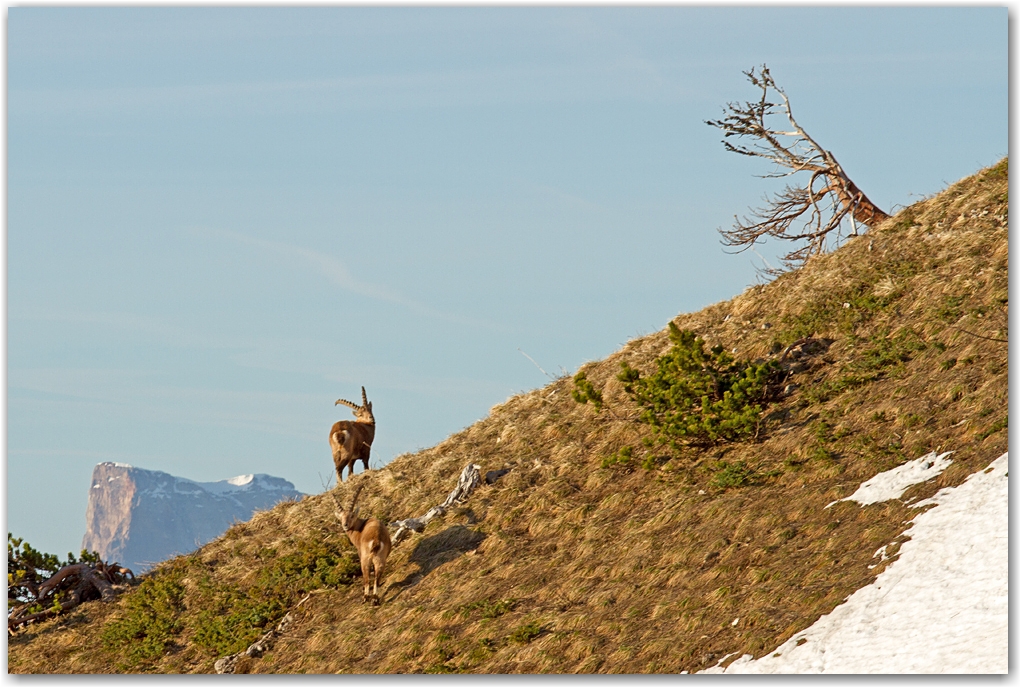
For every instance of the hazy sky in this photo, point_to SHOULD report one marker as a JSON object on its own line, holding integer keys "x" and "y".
{"x": 219, "y": 221}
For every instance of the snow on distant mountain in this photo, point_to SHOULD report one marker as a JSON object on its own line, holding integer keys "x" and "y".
{"x": 140, "y": 517}
{"x": 941, "y": 607}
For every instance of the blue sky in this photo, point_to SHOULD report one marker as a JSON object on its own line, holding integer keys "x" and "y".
{"x": 219, "y": 221}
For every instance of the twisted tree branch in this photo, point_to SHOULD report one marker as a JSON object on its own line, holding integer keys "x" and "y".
{"x": 799, "y": 212}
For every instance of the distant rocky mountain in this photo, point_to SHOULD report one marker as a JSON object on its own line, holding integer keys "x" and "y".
{"x": 140, "y": 517}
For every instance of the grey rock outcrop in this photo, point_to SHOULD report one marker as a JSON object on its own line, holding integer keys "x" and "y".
{"x": 141, "y": 517}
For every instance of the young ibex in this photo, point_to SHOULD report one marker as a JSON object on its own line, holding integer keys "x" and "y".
{"x": 351, "y": 441}
{"x": 372, "y": 540}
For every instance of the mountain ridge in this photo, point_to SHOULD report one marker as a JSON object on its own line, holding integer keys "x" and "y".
{"x": 140, "y": 517}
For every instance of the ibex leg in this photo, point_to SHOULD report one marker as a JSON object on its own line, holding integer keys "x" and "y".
{"x": 365, "y": 574}
{"x": 379, "y": 570}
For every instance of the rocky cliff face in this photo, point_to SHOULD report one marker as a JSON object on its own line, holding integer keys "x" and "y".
{"x": 141, "y": 517}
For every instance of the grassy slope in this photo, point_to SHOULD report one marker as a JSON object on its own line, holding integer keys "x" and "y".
{"x": 564, "y": 565}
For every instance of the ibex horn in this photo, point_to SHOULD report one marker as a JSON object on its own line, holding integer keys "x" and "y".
{"x": 364, "y": 398}
{"x": 347, "y": 403}
{"x": 354, "y": 499}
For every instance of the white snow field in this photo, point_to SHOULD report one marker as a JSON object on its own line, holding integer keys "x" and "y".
{"x": 891, "y": 483}
{"x": 942, "y": 607}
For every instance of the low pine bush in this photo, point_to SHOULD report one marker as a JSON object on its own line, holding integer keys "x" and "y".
{"x": 230, "y": 618}
{"x": 699, "y": 397}
{"x": 153, "y": 619}
{"x": 525, "y": 633}
{"x": 585, "y": 392}
{"x": 732, "y": 475}
{"x": 489, "y": 609}
{"x": 622, "y": 458}
{"x": 27, "y": 568}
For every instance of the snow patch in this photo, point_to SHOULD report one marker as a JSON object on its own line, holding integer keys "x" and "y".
{"x": 242, "y": 483}
{"x": 942, "y": 607}
{"x": 224, "y": 487}
{"x": 241, "y": 480}
{"x": 159, "y": 491}
{"x": 891, "y": 483}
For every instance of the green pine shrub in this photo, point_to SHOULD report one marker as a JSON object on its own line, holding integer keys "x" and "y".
{"x": 230, "y": 618}
{"x": 236, "y": 621}
{"x": 185, "y": 599}
{"x": 886, "y": 350}
{"x": 622, "y": 458}
{"x": 732, "y": 475}
{"x": 489, "y": 609}
{"x": 996, "y": 427}
{"x": 585, "y": 392}
{"x": 699, "y": 397}
{"x": 27, "y": 568}
{"x": 525, "y": 633}
{"x": 153, "y": 619}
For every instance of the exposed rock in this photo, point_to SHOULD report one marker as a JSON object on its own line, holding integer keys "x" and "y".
{"x": 141, "y": 517}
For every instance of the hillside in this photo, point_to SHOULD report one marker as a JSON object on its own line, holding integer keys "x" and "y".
{"x": 942, "y": 607}
{"x": 597, "y": 552}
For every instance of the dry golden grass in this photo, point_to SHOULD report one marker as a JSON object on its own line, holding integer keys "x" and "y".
{"x": 631, "y": 570}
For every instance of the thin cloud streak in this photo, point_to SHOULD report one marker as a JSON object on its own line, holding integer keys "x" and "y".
{"x": 277, "y": 413}
{"x": 156, "y": 327}
{"x": 334, "y": 271}
{"x": 624, "y": 76}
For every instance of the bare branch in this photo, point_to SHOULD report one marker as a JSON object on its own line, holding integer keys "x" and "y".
{"x": 468, "y": 481}
{"x": 801, "y": 212}
{"x": 65, "y": 589}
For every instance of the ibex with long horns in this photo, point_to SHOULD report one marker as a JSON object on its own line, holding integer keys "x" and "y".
{"x": 372, "y": 540}
{"x": 351, "y": 440}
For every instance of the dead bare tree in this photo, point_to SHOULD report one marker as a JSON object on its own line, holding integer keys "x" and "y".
{"x": 470, "y": 478}
{"x": 65, "y": 589}
{"x": 809, "y": 211}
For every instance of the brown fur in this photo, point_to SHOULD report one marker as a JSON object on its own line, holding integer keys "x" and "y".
{"x": 351, "y": 440}
{"x": 372, "y": 540}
